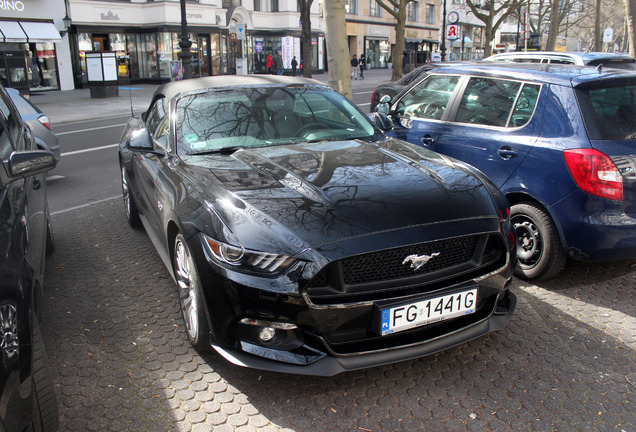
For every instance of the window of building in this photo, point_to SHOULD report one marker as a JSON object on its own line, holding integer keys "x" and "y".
{"x": 275, "y": 6}
{"x": 257, "y": 5}
{"x": 411, "y": 11}
{"x": 430, "y": 14}
{"x": 351, "y": 7}
{"x": 375, "y": 10}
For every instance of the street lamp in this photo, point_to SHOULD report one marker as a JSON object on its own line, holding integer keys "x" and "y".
{"x": 67, "y": 25}
{"x": 443, "y": 47}
{"x": 185, "y": 55}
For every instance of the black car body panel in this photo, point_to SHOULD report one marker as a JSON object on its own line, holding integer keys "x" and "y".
{"x": 24, "y": 222}
{"x": 347, "y": 214}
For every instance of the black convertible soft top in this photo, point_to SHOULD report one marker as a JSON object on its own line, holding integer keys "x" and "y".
{"x": 172, "y": 89}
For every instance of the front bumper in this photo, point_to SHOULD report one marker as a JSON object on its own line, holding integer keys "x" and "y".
{"x": 327, "y": 364}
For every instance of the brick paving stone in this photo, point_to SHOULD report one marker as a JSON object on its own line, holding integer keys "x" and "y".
{"x": 120, "y": 359}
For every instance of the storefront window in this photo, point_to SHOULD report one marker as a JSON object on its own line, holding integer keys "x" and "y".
{"x": 133, "y": 57}
{"x": 44, "y": 67}
{"x": 215, "y": 49}
{"x": 165, "y": 53}
{"x": 377, "y": 52}
{"x": 148, "y": 56}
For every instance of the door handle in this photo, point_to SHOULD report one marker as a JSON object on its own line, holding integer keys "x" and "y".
{"x": 427, "y": 140}
{"x": 506, "y": 153}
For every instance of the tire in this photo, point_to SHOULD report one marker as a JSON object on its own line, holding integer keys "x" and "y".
{"x": 539, "y": 251}
{"x": 50, "y": 235}
{"x": 132, "y": 212}
{"x": 190, "y": 296}
{"x": 45, "y": 413}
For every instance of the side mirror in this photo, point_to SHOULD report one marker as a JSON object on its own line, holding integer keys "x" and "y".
{"x": 140, "y": 140}
{"x": 384, "y": 106}
{"x": 24, "y": 164}
{"x": 382, "y": 121}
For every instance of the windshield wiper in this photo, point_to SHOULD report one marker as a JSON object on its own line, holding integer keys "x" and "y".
{"x": 222, "y": 150}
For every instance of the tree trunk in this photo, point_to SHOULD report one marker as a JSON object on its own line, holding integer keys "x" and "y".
{"x": 398, "y": 51}
{"x": 488, "y": 37}
{"x": 598, "y": 33}
{"x": 337, "y": 50}
{"x": 554, "y": 26}
{"x": 630, "y": 13}
{"x": 305, "y": 19}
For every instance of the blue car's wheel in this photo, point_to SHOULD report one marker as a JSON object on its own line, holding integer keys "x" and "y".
{"x": 539, "y": 251}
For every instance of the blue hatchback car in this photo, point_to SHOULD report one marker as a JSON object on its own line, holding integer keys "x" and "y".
{"x": 559, "y": 141}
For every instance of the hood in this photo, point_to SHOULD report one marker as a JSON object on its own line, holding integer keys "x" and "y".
{"x": 305, "y": 195}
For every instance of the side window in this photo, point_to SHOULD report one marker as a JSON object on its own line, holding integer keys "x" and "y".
{"x": 12, "y": 124}
{"x": 524, "y": 107}
{"x": 561, "y": 61}
{"x": 157, "y": 122}
{"x": 429, "y": 98}
{"x": 488, "y": 101}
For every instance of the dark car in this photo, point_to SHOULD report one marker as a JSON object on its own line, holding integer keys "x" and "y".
{"x": 558, "y": 140}
{"x": 304, "y": 240}
{"x": 27, "y": 399}
{"x": 392, "y": 88}
{"x": 39, "y": 123}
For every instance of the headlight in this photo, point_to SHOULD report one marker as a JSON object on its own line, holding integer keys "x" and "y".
{"x": 247, "y": 260}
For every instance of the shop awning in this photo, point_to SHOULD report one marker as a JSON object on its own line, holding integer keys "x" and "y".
{"x": 12, "y": 32}
{"x": 413, "y": 40}
{"x": 40, "y": 31}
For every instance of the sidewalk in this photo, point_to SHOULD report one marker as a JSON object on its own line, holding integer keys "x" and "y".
{"x": 74, "y": 105}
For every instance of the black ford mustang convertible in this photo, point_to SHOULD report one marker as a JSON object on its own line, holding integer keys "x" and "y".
{"x": 301, "y": 238}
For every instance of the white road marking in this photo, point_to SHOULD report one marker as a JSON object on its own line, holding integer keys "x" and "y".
{"x": 90, "y": 149}
{"x": 86, "y": 205}
{"x": 89, "y": 130}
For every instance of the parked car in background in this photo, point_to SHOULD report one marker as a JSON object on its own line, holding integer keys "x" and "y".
{"x": 392, "y": 88}
{"x": 40, "y": 124}
{"x": 27, "y": 399}
{"x": 558, "y": 140}
{"x": 613, "y": 60}
{"x": 301, "y": 238}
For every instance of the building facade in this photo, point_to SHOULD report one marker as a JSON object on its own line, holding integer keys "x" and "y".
{"x": 34, "y": 48}
{"x": 227, "y": 36}
{"x": 371, "y": 31}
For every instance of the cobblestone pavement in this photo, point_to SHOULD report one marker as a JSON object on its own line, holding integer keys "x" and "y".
{"x": 120, "y": 359}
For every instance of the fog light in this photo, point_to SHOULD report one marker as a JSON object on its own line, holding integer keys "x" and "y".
{"x": 266, "y": 334}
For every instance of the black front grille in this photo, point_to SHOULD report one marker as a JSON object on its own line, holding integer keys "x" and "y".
{"x": 387, "y": 273}
{"x": 389, "y": 264}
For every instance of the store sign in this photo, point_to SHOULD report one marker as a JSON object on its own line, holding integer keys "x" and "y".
{"x": 452, "y": 31}
{"x": 11, "y": 5}
{"x": 109, "y": 16}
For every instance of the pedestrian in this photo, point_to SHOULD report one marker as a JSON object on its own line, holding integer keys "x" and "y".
{"x": 354, "y": 67}
{"x": 362, "y": 64}
{"x": 404, "y": 61}
{"x": 280, "y": 69}
{"x": 294, "y": 65}
{"x": 270, "y": 63}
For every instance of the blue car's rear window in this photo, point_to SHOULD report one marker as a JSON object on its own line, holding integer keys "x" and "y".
{"x": 609, "y": 112}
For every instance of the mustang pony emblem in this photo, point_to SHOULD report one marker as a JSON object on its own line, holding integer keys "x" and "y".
{"x": 418, "y": 261}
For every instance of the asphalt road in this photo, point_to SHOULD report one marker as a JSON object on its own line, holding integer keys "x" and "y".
{"x": 120, "y": 359}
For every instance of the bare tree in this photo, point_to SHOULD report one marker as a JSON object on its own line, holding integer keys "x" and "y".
{"x": 598, "y": 41}
{"x": 554, "y": 26}
{"x": 493, "y": 13}
{"x": 630, "y": 13}
{"x": 398, "y": 9}
{"x": 305, "y": 20}
{"x": 337, "y": 50}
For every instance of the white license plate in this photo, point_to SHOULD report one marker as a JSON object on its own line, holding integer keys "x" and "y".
{"x": 406, "y": 316}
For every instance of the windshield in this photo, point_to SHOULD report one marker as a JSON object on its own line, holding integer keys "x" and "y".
{"x": 255, "y": 117}
{"x": 609, "y": 111}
